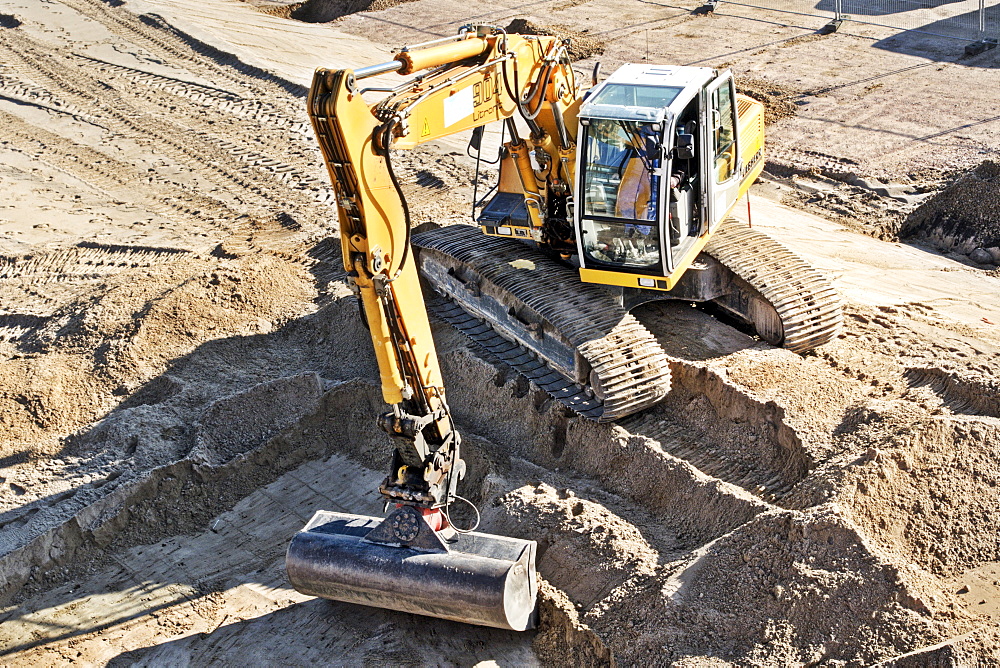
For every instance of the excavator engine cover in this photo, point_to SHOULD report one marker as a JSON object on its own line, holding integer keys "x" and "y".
{"x": 473, "y": 577}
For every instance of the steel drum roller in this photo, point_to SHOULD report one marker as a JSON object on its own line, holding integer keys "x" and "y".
{"x": 472, "y": 577}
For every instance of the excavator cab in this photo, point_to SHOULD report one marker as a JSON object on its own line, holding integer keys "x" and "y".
{"x": 621, "y": 193}
{"x": 656, "y": 170}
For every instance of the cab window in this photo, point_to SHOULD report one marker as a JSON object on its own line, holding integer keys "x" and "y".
{"x": 621, "y": 170}
{"x": 622, "y": 244}
{"x": 724, "y": 138}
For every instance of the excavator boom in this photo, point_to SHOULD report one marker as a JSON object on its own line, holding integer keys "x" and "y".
{"x": 416, "y": 560}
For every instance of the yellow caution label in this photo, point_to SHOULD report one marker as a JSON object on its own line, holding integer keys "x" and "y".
{"x": 426, "y": 130}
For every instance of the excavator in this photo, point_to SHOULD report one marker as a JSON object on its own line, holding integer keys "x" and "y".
{"x": 608, "y": 197}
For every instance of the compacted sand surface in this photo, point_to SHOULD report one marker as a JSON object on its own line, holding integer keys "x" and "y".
{"x": 184, "y": 379}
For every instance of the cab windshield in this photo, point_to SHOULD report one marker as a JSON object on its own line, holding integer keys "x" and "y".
{"x": 621, "y": 174}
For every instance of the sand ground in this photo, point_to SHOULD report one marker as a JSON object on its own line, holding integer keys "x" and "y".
{"x": 183, "y": 379}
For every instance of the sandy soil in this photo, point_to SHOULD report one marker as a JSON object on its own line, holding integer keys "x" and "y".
{"x": 182, "y": 375}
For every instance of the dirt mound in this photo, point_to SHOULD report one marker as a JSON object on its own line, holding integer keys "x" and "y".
{"x": 582, "y": 44}
{"x": 964, "y": 217}
{"x": 321, "y": 11}
{"x": 929, "y": 494}
{"x": 777, "y": 99}
{"x": 787, "y": 586}
{"x": 105, "y": 344}
{"x": 635, "y": 574}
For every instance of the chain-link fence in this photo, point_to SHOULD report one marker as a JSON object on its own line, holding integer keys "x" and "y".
{"x": 971, "y": 20}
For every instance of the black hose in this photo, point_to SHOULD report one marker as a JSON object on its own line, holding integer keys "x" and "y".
{"x": 540, "y": 93}
{"x": 532, "y": 125}
{"x": 382, "y": 142}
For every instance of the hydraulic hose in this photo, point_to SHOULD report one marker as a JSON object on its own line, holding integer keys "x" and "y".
{"x": 382, "y": 142}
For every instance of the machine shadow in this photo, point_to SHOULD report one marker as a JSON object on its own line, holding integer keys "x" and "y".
{"x": 303, "y": 633}
{"x": 944, "y": 49}
{"x": 869, "y": 8}
{"x": 69, "y": 634}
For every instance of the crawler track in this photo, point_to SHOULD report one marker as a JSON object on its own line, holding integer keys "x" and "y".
{"x": 575, "y": 342}
{"x": 801, "y": 308}
{"x": 568, "y": 335}
{"x": 573, "y": 395}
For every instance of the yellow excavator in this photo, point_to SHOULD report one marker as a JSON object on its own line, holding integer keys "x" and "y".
{"x": 614, "y": 196}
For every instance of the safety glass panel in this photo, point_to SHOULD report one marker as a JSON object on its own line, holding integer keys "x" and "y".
{"x": 724, "y": 132}
{"x": 633, "y": 95}
{"x": 621, "y": 170}
{"x": 622, "y": 244}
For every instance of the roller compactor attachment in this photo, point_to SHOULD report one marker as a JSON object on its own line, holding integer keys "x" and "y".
{"x": 401, "y": 563}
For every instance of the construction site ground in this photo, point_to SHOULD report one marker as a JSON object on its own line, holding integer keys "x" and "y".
{"x": 184, "y": 379}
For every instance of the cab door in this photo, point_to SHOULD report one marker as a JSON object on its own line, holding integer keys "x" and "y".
{"x": 722, "y": 148}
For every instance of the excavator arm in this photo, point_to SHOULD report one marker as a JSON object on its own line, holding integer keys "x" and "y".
{"x": 481, "y": 76}
{"x": 375, "y": 230}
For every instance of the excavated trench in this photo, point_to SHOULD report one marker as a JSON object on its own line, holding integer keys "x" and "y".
{"x": 646, "y": 557}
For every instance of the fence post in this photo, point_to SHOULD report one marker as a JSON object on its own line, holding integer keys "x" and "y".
{"x": 838, "y": 18}
{"x": 984, "y": 43}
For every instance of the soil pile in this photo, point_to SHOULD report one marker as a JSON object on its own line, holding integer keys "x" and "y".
{"x": 649, "y": 560}
{"x": 322, "y": 11}
{"x": 925, "y": 496}
{"x": 582, "y": 44}
{"x": 964, "y": 217}
{"x": 777, "y": 99}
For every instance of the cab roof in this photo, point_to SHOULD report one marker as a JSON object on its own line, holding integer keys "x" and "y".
{"x": 662, "y": 75}
{"x": 647, "y": 93}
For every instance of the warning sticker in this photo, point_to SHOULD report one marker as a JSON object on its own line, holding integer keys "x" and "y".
{"x": 458, "y": 106}
{"x": 426, "y": 130}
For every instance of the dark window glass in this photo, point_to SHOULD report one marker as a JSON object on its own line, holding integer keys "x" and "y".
{"x": 622, "y": 244}
{"x": 634, "y": 95}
